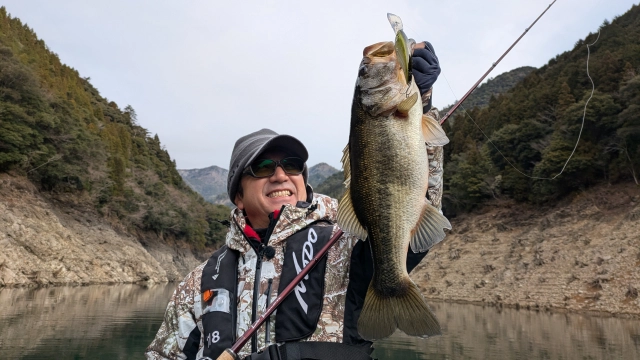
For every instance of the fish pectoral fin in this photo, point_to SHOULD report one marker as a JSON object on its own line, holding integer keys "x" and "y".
{"x": 406, "y": 104}
{"x": 347, "y": 219}
{"x": 433, "y": 133}
{"x": 429, "y": 230}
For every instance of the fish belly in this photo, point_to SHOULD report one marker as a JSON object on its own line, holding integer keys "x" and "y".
{"x": 389, "y": 180}
{"x": 388, "y": 185}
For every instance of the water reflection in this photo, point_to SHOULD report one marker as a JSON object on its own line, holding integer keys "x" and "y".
{"x": 118, "y": 322}
{"x": 475, "y": 332}
{"x": 97, "y": 322}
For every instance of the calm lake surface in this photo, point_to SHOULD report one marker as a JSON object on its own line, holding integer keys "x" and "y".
{"x": 118, "y": 322}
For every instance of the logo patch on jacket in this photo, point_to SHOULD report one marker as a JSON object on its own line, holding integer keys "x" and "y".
{"x": 301, "y": 313}
{"x": 307, "y": 256}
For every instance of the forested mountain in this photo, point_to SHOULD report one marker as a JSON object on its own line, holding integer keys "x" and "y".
{"x": 536, "y": 124}
{"x": 493, "y": 87}
{"x": 332, "y": 186}
{"x": 78, "y": 147}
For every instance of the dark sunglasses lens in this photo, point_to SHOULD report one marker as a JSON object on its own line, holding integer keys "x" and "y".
{"x": 263, "y": 167}
{"x": 292, "y": 165}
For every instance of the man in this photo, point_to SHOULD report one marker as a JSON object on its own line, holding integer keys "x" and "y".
{"x": 277, "y": 226}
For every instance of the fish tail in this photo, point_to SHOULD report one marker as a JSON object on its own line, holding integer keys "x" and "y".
{"x": 414, "y": 316}
{"x": 381, "y": 315}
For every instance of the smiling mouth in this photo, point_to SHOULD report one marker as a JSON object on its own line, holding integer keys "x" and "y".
{"x": 280, "y": 193}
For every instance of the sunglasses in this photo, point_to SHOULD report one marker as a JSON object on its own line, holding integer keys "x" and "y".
{"x": 267, "y": 167}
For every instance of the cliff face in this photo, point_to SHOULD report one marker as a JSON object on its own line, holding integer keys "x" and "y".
{"x": 44, "y": 243}
{"x": 582, "y": 254}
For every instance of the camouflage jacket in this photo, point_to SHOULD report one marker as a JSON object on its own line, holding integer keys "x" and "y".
{"x": 184, "y": 310}
{"x": 436, "y": 160}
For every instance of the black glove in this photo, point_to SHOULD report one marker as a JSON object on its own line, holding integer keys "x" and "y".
{"x": 425, "y": 68}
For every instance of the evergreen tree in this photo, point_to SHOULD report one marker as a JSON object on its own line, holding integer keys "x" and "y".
{"x": 537, "y": 122}
{"x": 56, "y": 129}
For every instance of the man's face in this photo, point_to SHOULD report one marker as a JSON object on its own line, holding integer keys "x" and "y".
{"x": 261, "y": 196}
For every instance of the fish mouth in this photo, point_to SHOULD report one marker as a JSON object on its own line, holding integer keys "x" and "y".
{"x": 279, "y": 193}
{"x": 379, "y": 67}
{"x": 381, "y": 83}
{"x": 380, "y": 52}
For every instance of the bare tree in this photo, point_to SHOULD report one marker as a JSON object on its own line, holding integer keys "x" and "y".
{"x": 620, "y": 144}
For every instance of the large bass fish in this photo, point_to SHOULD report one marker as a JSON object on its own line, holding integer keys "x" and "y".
{"x": 386, "y": 173}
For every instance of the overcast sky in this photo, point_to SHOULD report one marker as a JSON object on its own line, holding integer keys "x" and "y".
{"x": 201, "y": 74}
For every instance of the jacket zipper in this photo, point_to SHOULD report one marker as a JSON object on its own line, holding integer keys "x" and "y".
{"x": 266, "y": 329}
{"x": 254, "y": 304}
{"x": 234, "y": 313}
{"x": 256, "y": 279}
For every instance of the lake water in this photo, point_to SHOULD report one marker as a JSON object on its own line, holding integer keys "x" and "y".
{"x": 118, "y": 322}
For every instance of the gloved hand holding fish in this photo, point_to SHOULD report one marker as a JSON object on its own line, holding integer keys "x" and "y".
{"x": 386, "y": 172}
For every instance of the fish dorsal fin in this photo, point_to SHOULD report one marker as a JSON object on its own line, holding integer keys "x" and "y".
{"x": 347, "y": 219}
{"x": 407, "y": 104}
{"x": 429, "y": 230}
{"x": 433, "y": 133}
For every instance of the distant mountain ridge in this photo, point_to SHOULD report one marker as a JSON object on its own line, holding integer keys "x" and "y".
{"x": 211, "y": 182}
{"x": 494, "y": 86}
{"x": 208, "y": 182}
{"x": 320, "y": 172}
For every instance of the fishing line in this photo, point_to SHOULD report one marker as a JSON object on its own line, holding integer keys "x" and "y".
{"x": 455, "y": 106}
{"x": 584, "y": 114}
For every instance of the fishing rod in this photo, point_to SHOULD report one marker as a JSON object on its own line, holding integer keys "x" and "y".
{"x": 455, "y": 107}
{"x": 231, "y": 354}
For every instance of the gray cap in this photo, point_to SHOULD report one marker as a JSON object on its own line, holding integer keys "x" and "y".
{"x": 247, "y": 149}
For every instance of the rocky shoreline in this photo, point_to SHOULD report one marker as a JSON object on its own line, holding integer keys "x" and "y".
{"x": 550, "y": 310}
{"x": 45, "y": 243}
{"x": 582, "y": 255}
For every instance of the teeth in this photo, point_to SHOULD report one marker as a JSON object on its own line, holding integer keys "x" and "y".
{"x": 280, "y": 193}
